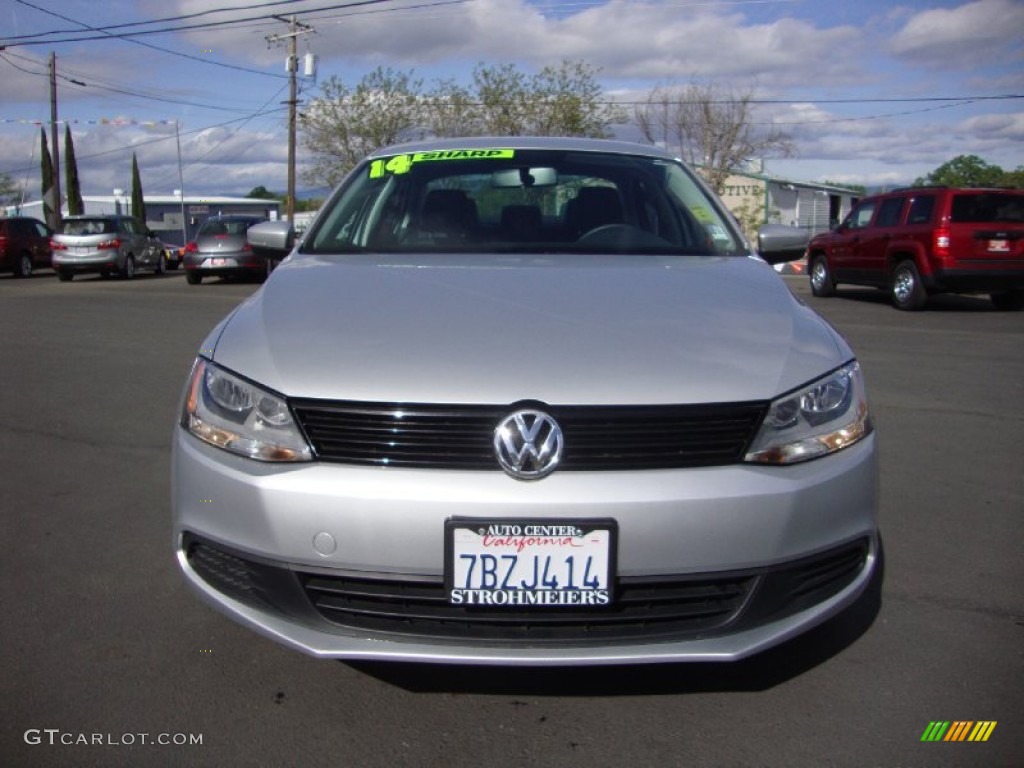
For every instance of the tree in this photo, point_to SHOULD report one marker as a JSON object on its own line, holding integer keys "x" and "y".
{"x": 386, "y": 107}
{"x": 965, "y": 171}
{"x": 10, "y": 192}
{"x": 570, "y": 102}
{"x": 860, "y": 189}
{"x": 711, "y": 128}
{"x": 262, "y": 193}
{"x": 503, "y": 101}
{"x": 76, "y": 205}
{"x": 50, "y": 205}
{"x": 1014, "y": 178}
{"x": 138, "y": 201}
{"x": 345, "y": 124}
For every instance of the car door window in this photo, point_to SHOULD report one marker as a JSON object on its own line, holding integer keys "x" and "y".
{"x": 889, "y": 212}
{"x": 860, "y": 216}
{"x": 921, "y": 210}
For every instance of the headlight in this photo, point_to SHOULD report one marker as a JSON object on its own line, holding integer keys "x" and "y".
{"x": 238, "y": 416}
{"x": 821, "y": 418}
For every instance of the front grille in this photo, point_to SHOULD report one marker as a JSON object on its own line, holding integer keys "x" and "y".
{"x": 643, "y": 609}
{"x": 596, "y": 437}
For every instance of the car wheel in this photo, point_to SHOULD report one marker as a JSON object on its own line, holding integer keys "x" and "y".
{"x": 822, "y": 283}
{"x": 161, "y": 263}
{"x": 194, "y": 278}
{"x": 1008, "y": 301}
{"x": 23, "y": 266}
{"x": 173, "y": 265}
{"x": 64, "y": 276}
{"x": 908, "y": 292}
{"x": 128, "y": 272}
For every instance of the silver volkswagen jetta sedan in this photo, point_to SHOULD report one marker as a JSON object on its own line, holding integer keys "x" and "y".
{"x": 524, "y": 401}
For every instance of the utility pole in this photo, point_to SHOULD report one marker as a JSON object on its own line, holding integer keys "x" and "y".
{"x": 295, "y": 29}
{"x": 54, "y": 143}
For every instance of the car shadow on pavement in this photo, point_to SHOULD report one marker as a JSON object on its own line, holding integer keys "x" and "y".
{"x": 758, "y": 673}
{"x": 943, "y": 302}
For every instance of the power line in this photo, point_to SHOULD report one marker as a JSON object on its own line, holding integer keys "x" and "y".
{"x": 150, "y": 45}
{"x": 187, "y": 27}
{"x": 112, "y": 88}
{"x": 157, "y": 140}
{"x": 108, "y": 27}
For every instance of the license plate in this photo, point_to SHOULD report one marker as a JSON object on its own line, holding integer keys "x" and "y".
{"x": 530, "y": 563}
{"x": 999, "y": 246}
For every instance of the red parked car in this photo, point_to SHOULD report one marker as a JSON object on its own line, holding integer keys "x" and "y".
{"x": 925, "y": 240}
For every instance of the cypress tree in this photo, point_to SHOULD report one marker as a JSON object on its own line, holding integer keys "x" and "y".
{"x": 49, "y": 210}
{"x": 76, "y": 206}
{"x": 138, "y": 202}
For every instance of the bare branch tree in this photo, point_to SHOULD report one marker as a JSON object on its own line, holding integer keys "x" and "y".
{"x": 711, "y": 128}
{"x": 345, "y": 124}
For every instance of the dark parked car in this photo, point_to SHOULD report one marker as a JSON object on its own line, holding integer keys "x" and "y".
{"x": 925, "y": 240}
{"x": 221, "y": 249}
{"x": 107, "y": 245}
{"x": 24, "y": 245}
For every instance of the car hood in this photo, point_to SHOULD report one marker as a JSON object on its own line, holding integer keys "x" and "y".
{"x": 497, "y": 330}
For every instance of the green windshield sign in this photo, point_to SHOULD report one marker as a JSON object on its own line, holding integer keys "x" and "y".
{"x": 403, "y": 163}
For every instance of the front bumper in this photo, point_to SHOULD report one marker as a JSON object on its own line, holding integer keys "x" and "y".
{"x": 791, "y": 546}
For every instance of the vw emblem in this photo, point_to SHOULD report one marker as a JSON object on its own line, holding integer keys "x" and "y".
{"x": 528, "y": 444}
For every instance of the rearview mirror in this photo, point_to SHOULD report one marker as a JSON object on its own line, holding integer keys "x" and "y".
{"x": 525, "y": 177}
{"x": 777, "y": 243}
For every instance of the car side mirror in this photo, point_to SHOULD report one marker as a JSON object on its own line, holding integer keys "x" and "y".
{"x": 274, "y": 239}
{"x": 777, "y": 243}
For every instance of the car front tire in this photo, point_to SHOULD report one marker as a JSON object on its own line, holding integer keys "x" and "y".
{"x": 194, "y": 278}
{"x": 822, "y": 282}
{"x": 907, "y": 291}
{"x": 128, "y": 271}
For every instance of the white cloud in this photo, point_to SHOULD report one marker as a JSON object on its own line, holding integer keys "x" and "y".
{"x": 626, "y": 39}
{"x": 955, "y": 37}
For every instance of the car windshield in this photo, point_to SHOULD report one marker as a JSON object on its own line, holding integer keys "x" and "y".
{"x": 523, "y": 201}
{"x": 88, "y": 226}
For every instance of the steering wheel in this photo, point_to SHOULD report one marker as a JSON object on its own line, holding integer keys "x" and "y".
{"x": 622, "y": 235}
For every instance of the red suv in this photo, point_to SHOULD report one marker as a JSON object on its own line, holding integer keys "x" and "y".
{"x": 925, "y": 240}
{"x": 24, "y": 245}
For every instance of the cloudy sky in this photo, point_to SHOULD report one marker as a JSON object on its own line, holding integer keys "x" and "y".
{"x": 872, "y": 92}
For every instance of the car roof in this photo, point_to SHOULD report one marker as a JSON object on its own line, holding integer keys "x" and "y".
{"x": 527, "y": 142}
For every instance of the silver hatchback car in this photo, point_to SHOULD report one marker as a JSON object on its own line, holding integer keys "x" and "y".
{"x": 524, "y": 401}
{"x": 106, "y": 244}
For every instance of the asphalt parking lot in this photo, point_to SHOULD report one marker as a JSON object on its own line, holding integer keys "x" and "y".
{"x": 105, "y": 653}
